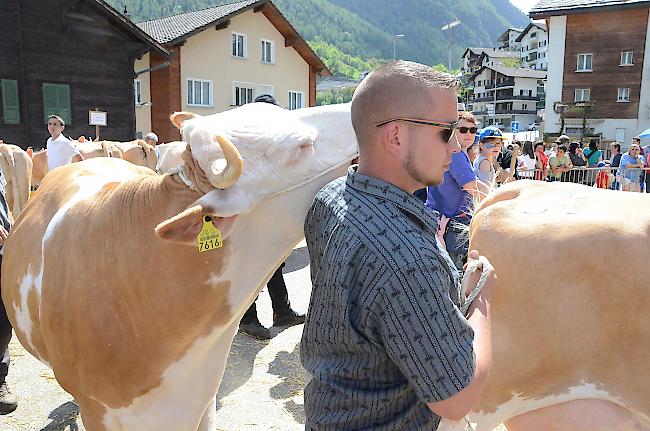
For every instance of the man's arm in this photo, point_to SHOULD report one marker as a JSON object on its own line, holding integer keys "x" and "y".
{"x": 459, "y": 405}
{"x": 77, "y": 158}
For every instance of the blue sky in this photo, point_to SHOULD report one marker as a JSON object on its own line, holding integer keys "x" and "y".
{"x": 524, "y": 5}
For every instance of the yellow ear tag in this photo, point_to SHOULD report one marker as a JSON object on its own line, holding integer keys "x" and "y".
{"x": 210, "y": 237}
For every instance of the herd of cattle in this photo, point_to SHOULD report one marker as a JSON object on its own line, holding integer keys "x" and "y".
{"x": 143, "y": 345}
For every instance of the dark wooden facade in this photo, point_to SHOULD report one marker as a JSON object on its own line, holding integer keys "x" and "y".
{"x": 82, "y": 44}
{"x": 605, "y": 34}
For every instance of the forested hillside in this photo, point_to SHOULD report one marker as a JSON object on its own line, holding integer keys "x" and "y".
{"x": 352, "y": 34}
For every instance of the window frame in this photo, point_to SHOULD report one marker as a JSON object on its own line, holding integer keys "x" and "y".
{"x": 244, "y": 55}
{"x": 302, "y": 100}
{"x": 272, "y": 44}
{"x": 194, "y": 81}
{"x": 579, "y": 67}
{"x": 624, "y": 53}
{"x": 583, "y": 90}
{"x": 623, "y": 100}
{"x": 250, "y": 94}
{"x": 137, "y": 92}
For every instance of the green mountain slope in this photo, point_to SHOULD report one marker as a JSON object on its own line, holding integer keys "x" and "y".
{"x": 363, "y": 29}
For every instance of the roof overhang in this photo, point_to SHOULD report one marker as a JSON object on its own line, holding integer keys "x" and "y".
{"x": 527, "y": 29}
{"x": 121, "y": 21}
{"x": 560, "y": 11}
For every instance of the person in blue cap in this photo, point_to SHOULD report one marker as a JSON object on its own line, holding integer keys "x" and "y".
{"x": 490, "y": 143}
{"x": 460, "y": 188}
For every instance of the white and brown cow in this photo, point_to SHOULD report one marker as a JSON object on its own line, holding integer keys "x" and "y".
{"x": 571, "y": 337}
{"x": 16, "y": 166}
{"x": 143, "y": 347}
{"x": 161, "y": 158}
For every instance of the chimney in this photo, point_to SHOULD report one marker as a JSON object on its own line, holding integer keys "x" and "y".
{"x": 126, "y": 14}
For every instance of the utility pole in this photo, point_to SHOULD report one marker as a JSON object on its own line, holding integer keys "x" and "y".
{"x": 450, "y": 27}
{"x": 395, "y": 37}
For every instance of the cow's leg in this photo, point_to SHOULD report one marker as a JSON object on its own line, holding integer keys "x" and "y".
{"x": 578, "y": 415}
{"x": 92, "y": 415}
{"x": 209, "y": 420}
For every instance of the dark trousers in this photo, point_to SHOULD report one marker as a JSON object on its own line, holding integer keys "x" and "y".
{"x": 279, "y": 298}
{"x": 457, "y": 240}
{"x": 5, "y": 337}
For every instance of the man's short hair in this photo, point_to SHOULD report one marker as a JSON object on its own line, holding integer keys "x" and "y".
{"x": 56, "y": 117}
{"x": 266, "y": 98}
{"x": 616, "y": 145}
{"x": 637, "y": 138}
{"x": 562, "y": 148}
{"x": 467, "y": 116}
{"x": 537, "y": 144}
{"x": 151, "y": 136}
{"x": 396, "y": 89}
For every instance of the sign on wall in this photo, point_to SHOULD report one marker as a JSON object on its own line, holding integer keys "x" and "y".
{"x": 97, "y": 118}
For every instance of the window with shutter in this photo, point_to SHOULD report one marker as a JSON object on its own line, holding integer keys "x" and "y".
{"x": 10, "y": 101}
{"x": 56, "y": 101}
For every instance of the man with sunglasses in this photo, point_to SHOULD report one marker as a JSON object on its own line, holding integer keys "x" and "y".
{"x": 460, "y": 188}
{"x": 384, "y": 339}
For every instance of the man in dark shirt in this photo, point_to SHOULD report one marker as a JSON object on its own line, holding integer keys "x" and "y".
{"x": 615, "y": 163}
{"x": 384, "y": 340}
{"x": 8, "y": 402}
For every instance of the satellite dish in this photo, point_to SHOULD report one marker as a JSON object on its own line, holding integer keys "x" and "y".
{"x": 450, "y": 25}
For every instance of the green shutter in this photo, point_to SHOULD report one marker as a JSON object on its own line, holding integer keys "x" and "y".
{"x": 64, "y": 103}
{"x": 56, "y": 101}
{"x": 10, "y": 101}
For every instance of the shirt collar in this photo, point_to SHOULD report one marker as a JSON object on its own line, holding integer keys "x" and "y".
{"x": 387, "y": 191}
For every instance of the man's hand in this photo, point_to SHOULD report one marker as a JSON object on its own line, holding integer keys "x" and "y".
{"x": 484, "y": 266}
{"x": 3, "y": 235}
{"x": 442, "y": 227}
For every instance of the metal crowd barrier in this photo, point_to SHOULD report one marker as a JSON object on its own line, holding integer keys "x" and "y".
{"x": 629, "y": 179}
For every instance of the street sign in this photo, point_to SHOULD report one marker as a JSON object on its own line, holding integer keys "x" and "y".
{"x": 515, "y": 126}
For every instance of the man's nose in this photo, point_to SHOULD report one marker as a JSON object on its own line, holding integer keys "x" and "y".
{"x": 453, "y": 146}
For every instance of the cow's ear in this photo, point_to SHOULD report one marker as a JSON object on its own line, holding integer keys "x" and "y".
{"x": 184, "y": 228}
{"x": 177, "y": 118}
{"x": 30, "y": 152}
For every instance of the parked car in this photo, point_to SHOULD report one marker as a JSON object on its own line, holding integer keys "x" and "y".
{"x": 533, "y": 126}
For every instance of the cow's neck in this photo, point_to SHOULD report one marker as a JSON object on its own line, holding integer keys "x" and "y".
{"x": 276, "y": 224}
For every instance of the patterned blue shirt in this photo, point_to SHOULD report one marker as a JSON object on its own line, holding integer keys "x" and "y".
{"x": 384, "y": 335}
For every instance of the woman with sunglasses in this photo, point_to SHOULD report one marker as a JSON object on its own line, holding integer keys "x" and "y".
{"x": 490, "y": 142}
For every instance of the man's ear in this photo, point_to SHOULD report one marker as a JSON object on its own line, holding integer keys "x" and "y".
{"x": 183, "y": 228}
{"x": 394, "y": 138}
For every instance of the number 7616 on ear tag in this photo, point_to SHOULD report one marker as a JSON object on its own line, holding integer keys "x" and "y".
{"x": 210, "y": 237}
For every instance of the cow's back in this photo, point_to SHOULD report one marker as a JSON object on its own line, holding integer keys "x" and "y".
{"x": 86, "y": 244}
{"x": 568, "y": 313}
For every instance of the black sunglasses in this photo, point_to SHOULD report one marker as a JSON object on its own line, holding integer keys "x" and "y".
{"x": 448, "y": 128}
{"x": 471, "y": 130}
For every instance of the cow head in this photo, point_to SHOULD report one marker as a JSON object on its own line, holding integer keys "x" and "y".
{"x": 258, "y": 151}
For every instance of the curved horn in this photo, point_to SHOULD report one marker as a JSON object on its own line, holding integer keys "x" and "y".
{"x": 223, "y": 173}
